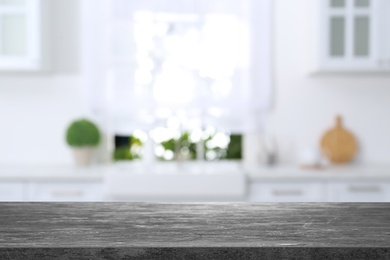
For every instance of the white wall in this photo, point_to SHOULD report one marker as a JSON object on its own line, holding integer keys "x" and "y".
{"x": 305, "y": 105}
{"x": 36, "y": 108}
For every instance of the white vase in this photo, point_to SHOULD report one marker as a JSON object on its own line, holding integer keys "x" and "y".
{"x": 309, "y": 157}
{"x": 83, "y": 155}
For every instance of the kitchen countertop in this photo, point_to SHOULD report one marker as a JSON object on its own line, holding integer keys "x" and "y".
{"x": 277, "y": 173}
{"x": 333, "y": 173}
{"x": 194, "y": 231}
{"x": 51, "y": 173}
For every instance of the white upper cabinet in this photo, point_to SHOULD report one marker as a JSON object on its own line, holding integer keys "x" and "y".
{"x": 354, "y": 35}
{"x": 20, "y": 35}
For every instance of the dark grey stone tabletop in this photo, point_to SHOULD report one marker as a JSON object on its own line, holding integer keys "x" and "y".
{"x": 194, "y": 231}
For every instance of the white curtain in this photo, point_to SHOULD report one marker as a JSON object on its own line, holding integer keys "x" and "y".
{"x": 219, "y": 73}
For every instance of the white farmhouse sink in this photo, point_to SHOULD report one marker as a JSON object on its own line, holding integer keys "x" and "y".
{"x": 222, "y": 181}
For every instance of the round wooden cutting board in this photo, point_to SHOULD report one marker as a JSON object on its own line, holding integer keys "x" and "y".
{"x": 338, "y": 144}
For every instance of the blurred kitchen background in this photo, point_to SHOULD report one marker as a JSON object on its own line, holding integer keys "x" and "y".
{"x": 195, "y": 100}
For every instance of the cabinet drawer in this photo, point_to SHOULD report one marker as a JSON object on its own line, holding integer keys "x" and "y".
{"x": 11, "y": 191}
{"x": 287, "y": 192}
{"x": 49, "y": 191}
{"x": 358, "y": 191}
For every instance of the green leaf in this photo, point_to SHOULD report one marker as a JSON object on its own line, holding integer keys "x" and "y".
{"x": 82, "y": 133}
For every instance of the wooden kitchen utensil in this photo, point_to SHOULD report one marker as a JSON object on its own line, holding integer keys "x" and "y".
{"x": 338, "y": 144}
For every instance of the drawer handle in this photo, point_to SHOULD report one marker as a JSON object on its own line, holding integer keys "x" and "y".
{"x": 66, "y": 193}
{"x": 287, "y": 192}
{"x": 372, "y": 188}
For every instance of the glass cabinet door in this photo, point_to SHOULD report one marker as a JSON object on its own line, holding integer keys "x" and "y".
{"x": 362, "y": 36}
{"x": 13, "y": 28}
{"x": 350, "y": 32}
{"x": 19, "y": 34}
{"x": 337, "y": 36}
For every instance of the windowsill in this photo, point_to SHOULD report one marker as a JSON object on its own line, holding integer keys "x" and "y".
{"x": 180, "y": 167}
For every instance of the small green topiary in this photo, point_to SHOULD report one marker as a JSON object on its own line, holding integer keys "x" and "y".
{"x": 82, "y": 133}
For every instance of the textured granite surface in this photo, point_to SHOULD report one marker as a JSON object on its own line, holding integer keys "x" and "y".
{"x": 194, "y": 231}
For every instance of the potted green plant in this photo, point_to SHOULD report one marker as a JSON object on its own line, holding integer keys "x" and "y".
{"x": 83, "y": 136}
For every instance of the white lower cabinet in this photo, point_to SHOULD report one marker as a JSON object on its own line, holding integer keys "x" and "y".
{"x": 287, "y": 192}
{"x": 359, "y": 191}
{"x": 317, "y": 191}
{"x": 66, "y": 191}
{"x": 12, "y": 191}
{"x": 370, "y": 190}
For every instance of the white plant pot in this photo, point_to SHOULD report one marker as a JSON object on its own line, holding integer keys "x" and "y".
{"x": 83, "y": 155}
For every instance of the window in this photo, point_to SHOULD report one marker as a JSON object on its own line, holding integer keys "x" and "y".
{"x": 193, "y": 76}
{"x": 177, "y": 55}
{"x": 209, "y": 145}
